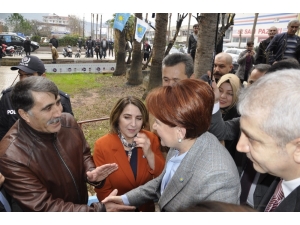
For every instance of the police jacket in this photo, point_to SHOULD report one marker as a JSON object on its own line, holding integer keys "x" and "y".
{"x": 8, "y": 115}
{"x": 47, "y": 171}
{"x": 277, "y": 47}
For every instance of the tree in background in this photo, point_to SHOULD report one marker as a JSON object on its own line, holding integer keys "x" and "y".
{"x": 159, "y": 45}
{"x": 17, "y": 23}
{"x": 40, "y": 29}
{"x": 254, "y": 26}
{"x": 208, "y": 28}
{"x": 178, "y": 26}
{"x": 135, "y": 74}
{"x": 75, "y": 25}
{"x": 129, "y": 34}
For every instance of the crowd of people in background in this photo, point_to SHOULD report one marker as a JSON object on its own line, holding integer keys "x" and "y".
{"x": 228, "y": 141}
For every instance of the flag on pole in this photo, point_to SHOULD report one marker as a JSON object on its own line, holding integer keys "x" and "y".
{"x": 120, "y": 20}
{"x": 140, "y": 29}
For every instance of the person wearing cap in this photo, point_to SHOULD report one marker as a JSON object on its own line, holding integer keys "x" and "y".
{"x": 28, "y": 66}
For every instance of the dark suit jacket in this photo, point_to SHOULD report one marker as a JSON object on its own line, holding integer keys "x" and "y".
{"x": 109, "y": 149}
{"x": 291, "y": 203}
{"x": 265, "y": 188}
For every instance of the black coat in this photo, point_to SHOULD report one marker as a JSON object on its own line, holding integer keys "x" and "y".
{"x": 26, "y": 45}
{"x": 261, "y": 55}
{"x": 54, "y": 42}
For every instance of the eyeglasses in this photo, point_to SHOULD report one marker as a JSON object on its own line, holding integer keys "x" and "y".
{"x": 295, "y": 27}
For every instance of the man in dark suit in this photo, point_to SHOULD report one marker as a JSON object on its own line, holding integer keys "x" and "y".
{"x": 270, "y": 137}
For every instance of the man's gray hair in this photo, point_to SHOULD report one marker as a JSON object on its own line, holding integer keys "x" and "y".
{"x": 176, "y": 58}
{"x": 21, "y": 95}
{"x": 263, "y": 68}
{"x": 293, "y": 21}
{"x": 274, "y": 101}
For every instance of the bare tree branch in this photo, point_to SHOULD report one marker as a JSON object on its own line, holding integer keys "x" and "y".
{"x": 178, "y": 26}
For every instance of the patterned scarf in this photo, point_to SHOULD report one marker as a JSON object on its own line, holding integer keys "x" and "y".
{"x": 126, "y": 144}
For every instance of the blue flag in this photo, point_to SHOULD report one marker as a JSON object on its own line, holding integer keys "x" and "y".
{"x": 120, "y": 20}
{"x": 140, "y": 29}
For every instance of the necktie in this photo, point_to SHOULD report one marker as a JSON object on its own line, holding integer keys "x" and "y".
{"x": 276, "y": 198}
{"x": 246, "y": 181}
{"x": 5, "y": 202}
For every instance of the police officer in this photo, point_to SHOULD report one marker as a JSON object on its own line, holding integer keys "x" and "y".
{"x": 28, "y": 66}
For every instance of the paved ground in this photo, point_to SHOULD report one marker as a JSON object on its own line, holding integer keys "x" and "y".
{"x": 7, "y": 76}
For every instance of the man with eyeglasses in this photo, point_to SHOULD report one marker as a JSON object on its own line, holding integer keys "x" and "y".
{"x": 261, "y": 56}
{"x": 28, "y": 66}
{"x": 285, "y": 45}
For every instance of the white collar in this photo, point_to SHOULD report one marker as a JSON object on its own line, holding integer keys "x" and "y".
{"x": 289, "y": 186}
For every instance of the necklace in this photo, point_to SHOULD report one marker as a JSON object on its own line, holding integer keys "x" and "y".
{"x": 126, "y": 144}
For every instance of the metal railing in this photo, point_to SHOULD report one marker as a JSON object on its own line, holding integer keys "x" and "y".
{"x": 91, "y": 121}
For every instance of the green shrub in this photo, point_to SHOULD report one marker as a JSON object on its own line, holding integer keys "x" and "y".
{"x": 36, "y": 38}
{"x": 69, "y": 40}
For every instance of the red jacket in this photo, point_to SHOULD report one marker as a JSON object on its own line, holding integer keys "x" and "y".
{"x": 109, "y": 149}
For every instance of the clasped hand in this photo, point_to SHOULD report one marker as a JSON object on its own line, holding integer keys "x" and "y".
{"x": 114, "y": 203}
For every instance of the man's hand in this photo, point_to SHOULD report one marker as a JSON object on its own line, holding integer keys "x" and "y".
{"x": 114, "y": 203}
{"x": 101, "y": 172}
{"x": 214, "y": 86}
{"x": 2, "y": 178}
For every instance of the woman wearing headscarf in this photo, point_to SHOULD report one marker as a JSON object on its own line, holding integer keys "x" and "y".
{"x": 229, "y": 86}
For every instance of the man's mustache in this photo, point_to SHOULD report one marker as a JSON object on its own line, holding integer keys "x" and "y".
{"x": 55, "y": 120}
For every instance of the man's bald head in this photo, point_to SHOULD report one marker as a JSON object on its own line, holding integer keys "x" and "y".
{"x": 272, "y": 31}
{"x": 222, "y": 64}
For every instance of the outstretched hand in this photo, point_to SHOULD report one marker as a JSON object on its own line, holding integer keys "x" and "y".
{"x": 101, "y": 172}
{"x": 214, "y": 86}
{"x": 114, "y": 203}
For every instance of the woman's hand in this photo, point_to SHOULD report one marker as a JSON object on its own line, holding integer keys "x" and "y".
{"x": 143, "y": 142}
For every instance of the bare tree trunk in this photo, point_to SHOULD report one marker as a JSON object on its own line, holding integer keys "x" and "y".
{"x": 92, "y": 25}
{"x": 254, "y": 26}
{"x": 100, "y": 27}
{"x": 120, "y": 57}
{"x": 188, "y": 31}
{"x": 96, "y": 26}
{"x": 159, "y": 43}
{"x": 206, "y": 43}
{"x": 135, "y": 75}
{"x": 169, "y": 30}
